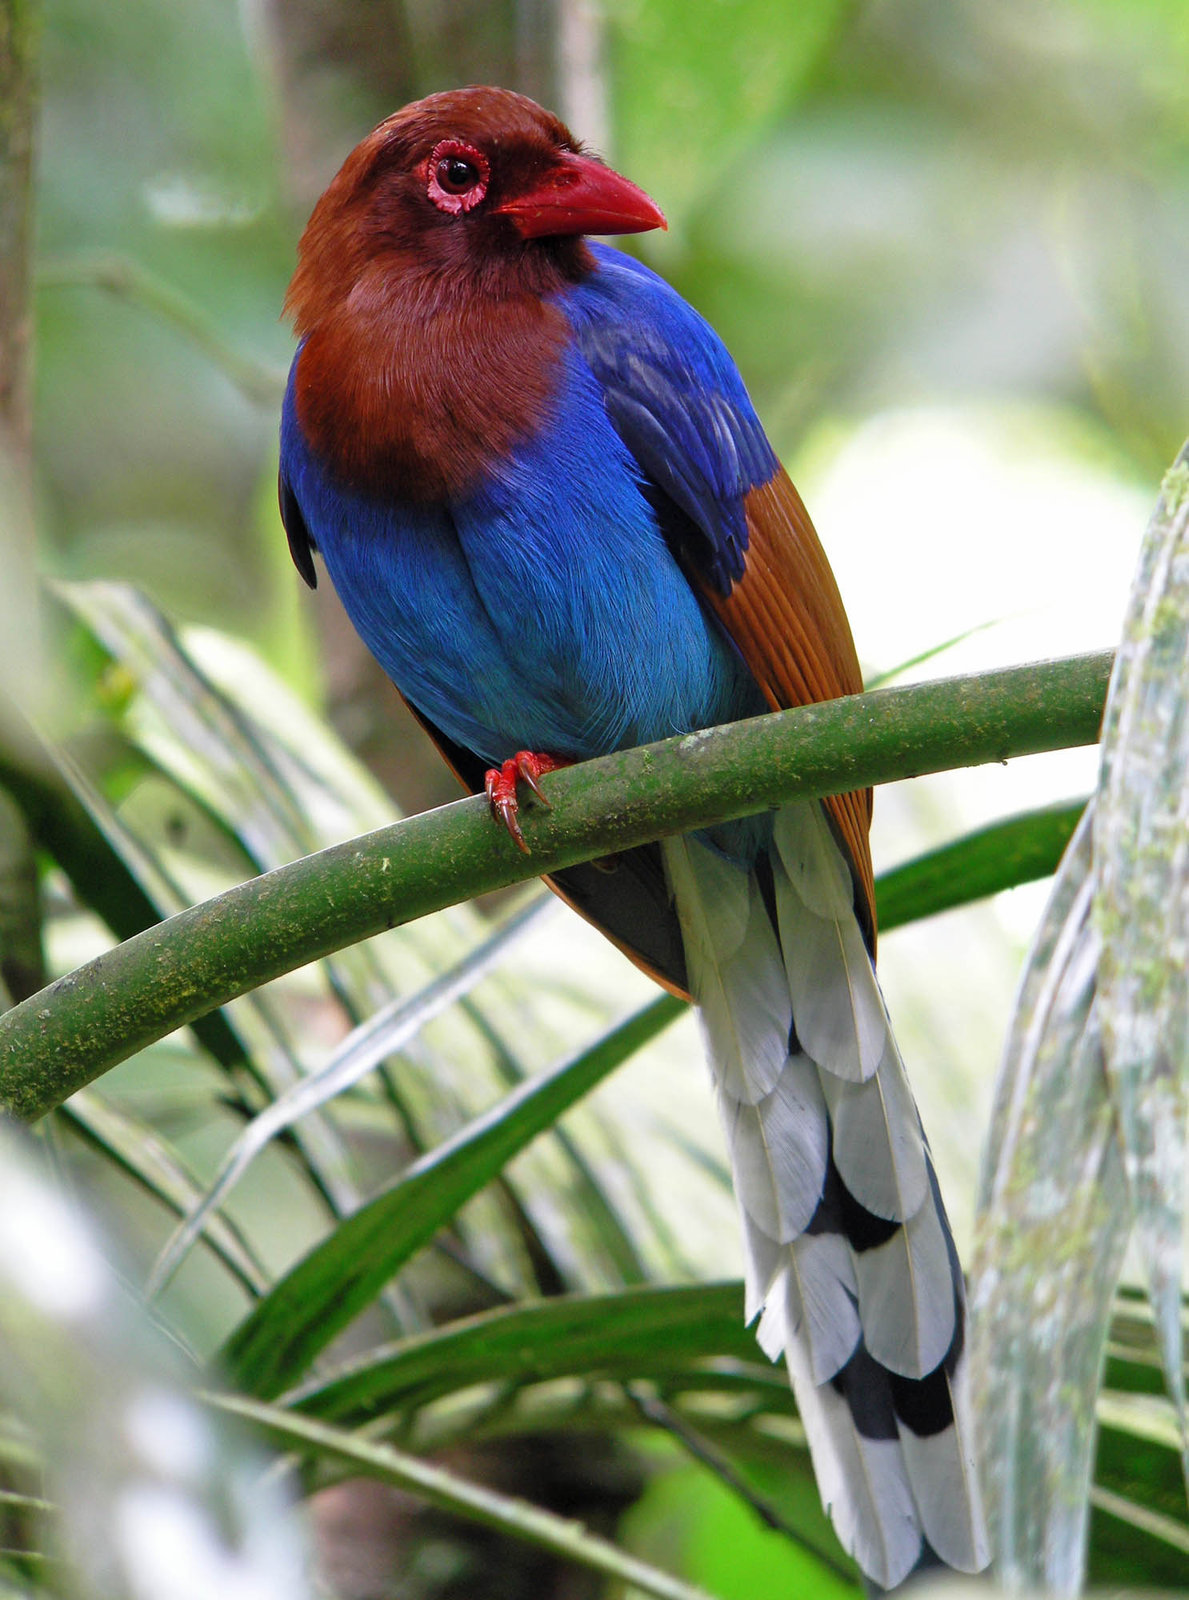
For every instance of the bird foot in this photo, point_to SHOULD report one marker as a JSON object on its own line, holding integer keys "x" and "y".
{"x": 501, "y": 783}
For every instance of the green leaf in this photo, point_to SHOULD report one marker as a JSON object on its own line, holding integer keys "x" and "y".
{"x": 1053, "y": 1224}
{"x": 275, "y": 1344}
{"x": 923, "y": 657}
{"x": 1143, "y": 1519}
{"x": 723, "y": 1539}
{"x": 22, "y": 963}
{"x": 1138, "y": 1527}
{"x": 1142, "y": 879}
{"x": 189, "y": 728}
{"x": 257, "y": 1037}
{"x": 124, "y": 881}
{"x": 391, "y": 1029}
{"x": 1017, "y": 850}
{"x": 138, "y": 1149}
{"x": 1132, "y": 1339}
{"x": 664, "y": 1333}
{"x": 67, "y": 830}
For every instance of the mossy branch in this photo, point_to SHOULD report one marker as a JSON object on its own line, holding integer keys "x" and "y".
{"x": 179, "y": 970}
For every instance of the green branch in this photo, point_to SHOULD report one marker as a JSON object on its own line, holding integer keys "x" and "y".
{"x": 179, "y": 970}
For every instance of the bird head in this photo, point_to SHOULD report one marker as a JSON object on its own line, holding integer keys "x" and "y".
{"x": 474, "y": 183}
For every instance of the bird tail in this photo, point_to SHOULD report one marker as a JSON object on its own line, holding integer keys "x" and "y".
{"x": 850, "y": 1264}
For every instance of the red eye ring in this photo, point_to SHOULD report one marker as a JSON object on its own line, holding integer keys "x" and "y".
{"x": 457, "y": 176}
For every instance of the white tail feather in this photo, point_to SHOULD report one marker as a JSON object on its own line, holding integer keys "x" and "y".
{"x": 743, "y": 995}
{"x": 838, "y": 1018}
{"x": 764, "y": 1261}
{"x": 906, "y": 1297}
{"x": 813, "y": 863}
{"x": 943, "y": 1466}
{"x": 783, "y": 1134}
{"x": 864, "y": 1484}
{"x": 822, "y": 1280}
{"x": 807, "y": 1303}
{"x": 841, "y": 1021}
{"x": 827, "y": 1138}
{"x": 878, "y": 1143}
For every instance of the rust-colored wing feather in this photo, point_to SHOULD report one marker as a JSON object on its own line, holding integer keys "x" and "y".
{"x": 786, "y": 617}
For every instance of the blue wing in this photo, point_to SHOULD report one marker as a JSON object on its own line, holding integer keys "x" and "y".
{"x": 677, "y": 401}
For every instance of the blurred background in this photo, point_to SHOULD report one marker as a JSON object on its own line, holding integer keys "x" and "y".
{"x": 946, "y": 240}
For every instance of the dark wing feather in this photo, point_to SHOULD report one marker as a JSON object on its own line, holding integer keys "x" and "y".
{"x": 301, "y": 543}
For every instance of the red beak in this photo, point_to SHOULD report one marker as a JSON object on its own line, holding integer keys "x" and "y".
{"x": 580, "y": 195}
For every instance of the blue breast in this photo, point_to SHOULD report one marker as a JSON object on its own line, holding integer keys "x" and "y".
{"x": 545, "y": 611}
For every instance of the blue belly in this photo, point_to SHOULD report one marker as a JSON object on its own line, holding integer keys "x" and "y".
{"x": 545, "y": 612}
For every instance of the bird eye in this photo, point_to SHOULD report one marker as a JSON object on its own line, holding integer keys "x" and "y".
{"x": 458, "y": 175}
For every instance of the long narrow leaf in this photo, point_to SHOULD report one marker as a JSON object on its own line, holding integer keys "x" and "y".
{"x": 66, "y": 829}
{"x": 140, "y": 1151}
{"x": 22, "y": 961}
{"x": 1016, "y": 850}
{"x": 1053, "y": 1224}
{"x": 517, "y": 1519}
{"x": 1133, "y": 1335}
{"x": 1141, "y": 845}
{"x": 1142, "y": 1518}
{"x": 1142, "y": 1416}
{"x": 212, "y": 730}
{"x": 923, "y": 657}
{"x": 263, "y": 1043}
{"x": 361, "y": 1052}
{"x": 212, "y": 745}
{"x": 666, "y": 1333}
{"x": 273, "y": 1347}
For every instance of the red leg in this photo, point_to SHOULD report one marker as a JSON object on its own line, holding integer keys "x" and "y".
{"x": 501, "y": 783}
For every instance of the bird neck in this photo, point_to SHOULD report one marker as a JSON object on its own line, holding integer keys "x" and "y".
{"x": 416, "y": 382}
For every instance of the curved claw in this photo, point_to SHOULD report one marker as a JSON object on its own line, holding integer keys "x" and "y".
{"x": 500, "y": 786}
{"x": 530, "y": 767}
